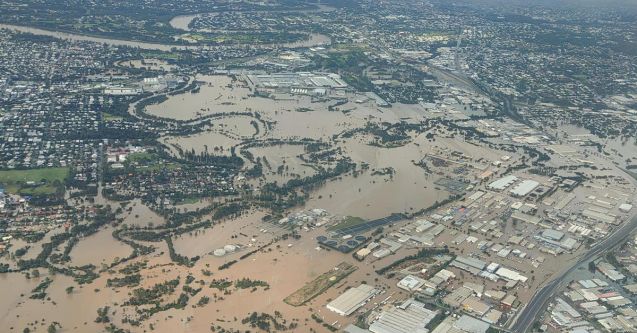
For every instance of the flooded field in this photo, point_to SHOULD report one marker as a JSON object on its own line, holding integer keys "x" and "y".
{"x": 285, "y": 266}
{"x": 247, "y": 231}
{"x": 139, "y": 215}
{"x": 99, "y": 248}
{"x": 282, "y": 162}
{"x": 293, "y": 117}
{"x": 32, "y": 249}
{"x": 387, "y": 179}
{"x": 314, "y": 40}
{"x": 85, "y": 38}
{"x": 218, "y": 94}
{"x": 375, "y": 196}
{"x": 214, "y": 142}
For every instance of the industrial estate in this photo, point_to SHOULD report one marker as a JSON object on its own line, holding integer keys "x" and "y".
{"x": 354, "y": 166}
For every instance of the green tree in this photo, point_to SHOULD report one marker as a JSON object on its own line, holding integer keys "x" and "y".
{"x": 53, "y": 328}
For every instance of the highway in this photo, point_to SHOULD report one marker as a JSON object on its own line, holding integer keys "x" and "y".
{"x": 542, "y": 297}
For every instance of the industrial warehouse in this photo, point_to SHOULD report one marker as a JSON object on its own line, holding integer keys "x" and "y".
{"x": 296, "y": 83}
{"x": 352, "y": 300}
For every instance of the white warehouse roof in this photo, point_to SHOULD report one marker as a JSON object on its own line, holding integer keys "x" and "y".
{"x": 409, "y": 317}
{"x": 352, "y": 300}
{"x": 471, "y": 325}
{"x": 502, "y": 183}
{"x": 410, "y": 283}
{"x": 524, "y": 188}
{"x": 510, "y": 275}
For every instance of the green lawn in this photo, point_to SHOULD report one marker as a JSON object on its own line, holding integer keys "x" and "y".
{"x": 110, "y": 117}
{"x": 15, "y": 181}
{"x": 161, "y": 55}
{"x": 349, "y": 221}
{"x": 150, "y": 162}
{"x": 187, "y": 201}
{"x": 142, "y": 157}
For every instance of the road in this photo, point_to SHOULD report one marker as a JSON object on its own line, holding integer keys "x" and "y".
{"x": 542, "y": 297}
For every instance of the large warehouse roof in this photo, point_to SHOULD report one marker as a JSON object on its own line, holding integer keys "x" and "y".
{"x": 510, "y": 275}
{"x": 409, "y": 317}
{"x": 473, "y": 262}
{"x": 351, "y": 300}
{"x": 524, "y": 188}
{"x": 471, "y": 325}
{"x": 502, "y": 183}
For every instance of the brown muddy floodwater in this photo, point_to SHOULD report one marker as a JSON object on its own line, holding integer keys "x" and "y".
{"x": 138, "y": 214}
{"x": 99, "y": 248}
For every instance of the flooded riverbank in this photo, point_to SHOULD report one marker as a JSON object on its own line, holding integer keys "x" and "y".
{"x": 86, "y": 38}
{"x": 314, "y": 40}
{"x": 182, "y": 22}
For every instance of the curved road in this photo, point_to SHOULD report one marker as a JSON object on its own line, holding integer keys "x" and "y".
{"x": 541, "y": 298}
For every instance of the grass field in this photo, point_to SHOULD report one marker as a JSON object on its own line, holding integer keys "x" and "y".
{"x": 161, "y": 55}
{"x": 142, "y": 157}
{"x": 16, "y": 181}
{"x": 148, "y": 161}
{"x": 320, "y": 284}
{"x": 188, "y": 201}
{"x": 349, "y": 221}
{"x": 110, "y": 117}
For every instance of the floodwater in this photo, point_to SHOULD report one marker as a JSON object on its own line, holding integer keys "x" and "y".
{"x": 217, "y": 95}
{"x": 102, "y": 40}
{"x": 99, "y": 248}
{"x": 76, "y": 312}
{"x": 203, "y": 242}
{"x": 285, "y": 265}
{"x": 138, "y": 214}
{"x": 314, "y": 40}
{"x": 373, "y": 196}
{"x": 34, "y": 248}
{"x": 283, "y": 156}
{"x": 218, "y": 144}
{"x": 181, "y": 22}
{"x": 297, "y": 117}
{"x": 284, "y": 268}
{"x": 409, "y": 190}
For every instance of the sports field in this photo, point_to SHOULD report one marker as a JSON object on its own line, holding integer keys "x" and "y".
{"x": 45, "y": 181}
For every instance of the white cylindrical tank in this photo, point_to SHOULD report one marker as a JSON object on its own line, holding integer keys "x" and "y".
{"x": 230, "y": 248}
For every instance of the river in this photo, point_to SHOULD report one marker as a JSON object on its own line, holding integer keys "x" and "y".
{"x": 179, "y": 22}
{"x": 85, "y": 38}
